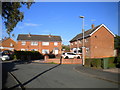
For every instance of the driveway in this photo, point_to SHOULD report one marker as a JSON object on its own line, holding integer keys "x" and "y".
{"x": 40, "y": 75}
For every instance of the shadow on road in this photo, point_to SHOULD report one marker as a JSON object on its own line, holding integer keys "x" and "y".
{"x": 6, "y": 67}
{"x": 22, "y": 85}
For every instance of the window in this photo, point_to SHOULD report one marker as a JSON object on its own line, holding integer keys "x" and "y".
{"x": 55, "y": 43}
{"x": 34, "y": 43}
{"x": 23, "y": 42}
{"x": 86, "y": 40}
{"x": 75, "y": 42}
{"x": 11, "y": 44}
{"x": 87, "y": 49}
{"x": 71, "y": 54}
{"x": 71, "y": 43}
{"x": 45, "y": 51}
{"x": 34, "y": 49}
{"x": 80, "y": 42}
{"x": 22, "y": 49}
{"x": 45, "y": 43}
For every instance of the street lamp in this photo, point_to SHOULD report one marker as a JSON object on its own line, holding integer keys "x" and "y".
{"x": 77, "y": 46}
{"x": 83, "y": 48}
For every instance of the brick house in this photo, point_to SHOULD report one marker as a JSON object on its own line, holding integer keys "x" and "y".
{"x": 7, "y": 44}
{"x": 99, "y": 42}
{"x": 42, "y": 43}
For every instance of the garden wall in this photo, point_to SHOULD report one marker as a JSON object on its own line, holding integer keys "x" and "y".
{"x": 63, "y": 61}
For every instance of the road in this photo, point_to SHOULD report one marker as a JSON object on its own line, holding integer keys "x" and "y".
{"x": 38, "y": 75}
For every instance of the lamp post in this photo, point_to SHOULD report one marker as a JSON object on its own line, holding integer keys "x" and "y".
{"x": 77, "y": 46}
{"x": 83, "y": 48}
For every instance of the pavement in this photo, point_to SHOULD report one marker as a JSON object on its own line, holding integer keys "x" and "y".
{"x": 100, "y": 73}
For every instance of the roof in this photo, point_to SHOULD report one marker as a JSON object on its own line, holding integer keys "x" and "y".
{"x": 6, "y": 38}
{"x": 89, "y": 32}
{"x": 31, "y": 37}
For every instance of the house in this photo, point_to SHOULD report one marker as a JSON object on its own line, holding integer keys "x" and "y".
{"x": 99, "y": 42}
{"x": 42, "y": 43}
{"x": 8, "y": 44}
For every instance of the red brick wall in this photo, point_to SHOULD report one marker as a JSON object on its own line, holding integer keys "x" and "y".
{"x": 65, "y": 61}
{"x": 102, "y": 44}
{"x": 28, "y": 46}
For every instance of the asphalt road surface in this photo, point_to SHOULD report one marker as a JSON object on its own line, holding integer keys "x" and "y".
{"x": 36, "y": 75}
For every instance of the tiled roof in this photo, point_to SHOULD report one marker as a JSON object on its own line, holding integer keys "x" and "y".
{"x": 38, "y": 37}
{"x": 86, "y": 34}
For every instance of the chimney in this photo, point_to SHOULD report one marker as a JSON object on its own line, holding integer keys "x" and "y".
{"x": 29, "y": 35}
{"x": 92, "y": 26}
{"x": 50, "y": 35}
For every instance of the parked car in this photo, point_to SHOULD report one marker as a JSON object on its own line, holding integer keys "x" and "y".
{"x": 4, "y": 56}
{"x": 9, "y": 53}
{"x": 67, "y": 55}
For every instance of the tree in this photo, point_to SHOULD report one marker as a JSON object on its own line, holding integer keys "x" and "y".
{"x": 66, "y": 47}
{"x": 11, "y": 14}
{"x": 117, "y": 44}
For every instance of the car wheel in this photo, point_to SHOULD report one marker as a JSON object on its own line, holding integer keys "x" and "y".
{"x": 66, "y": 57}
{"x": 78, "y": 57}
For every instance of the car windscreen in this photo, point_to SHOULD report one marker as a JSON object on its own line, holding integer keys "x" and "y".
{"x": 71, "y": 53}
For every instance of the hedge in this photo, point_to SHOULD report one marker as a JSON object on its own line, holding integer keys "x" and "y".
{"x": 98, "y": 62}
{"x": 50, "y": 55}
{"x": 28, "y": 55}
{"x": 93, "y": 62}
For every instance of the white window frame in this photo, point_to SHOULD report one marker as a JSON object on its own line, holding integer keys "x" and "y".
{"x": 11, "y": 44}
{"x": 75, "y": 42}
{"x": 22, "y": 49}
{"x": 23, "y": 42}
{"x": 71, "y": 43}
{"x": 86, "y": 40}
{"x": 80, "y": 42}
{"x": 34, "y": 49}
{"x": 45, "y": 43}
{"x": 87, "y": 49}
{"x": 34, "y": 43}
{"x": 45, "y": 51}
{"x": 55, "y": 43}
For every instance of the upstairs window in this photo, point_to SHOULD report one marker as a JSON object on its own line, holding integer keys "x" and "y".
{"x": 23, "y": 42}
{"x": 71, "y": 43}
{"x": 11, "y": 44}
{"x": 55, "y": 43}
{"x": 75, "y": 42}
{"x": 34, "y": 43}
{"x": 45, "y": 43}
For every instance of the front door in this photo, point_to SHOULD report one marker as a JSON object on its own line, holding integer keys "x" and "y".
{"x": 55, "y": 51}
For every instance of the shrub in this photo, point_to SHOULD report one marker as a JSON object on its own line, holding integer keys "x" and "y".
{"x": 117, "y": 59}
{"x": 50, "y": 55}
{"x": 99, "y": 62}
{"x": 111, "y": 62}
{"x": 93, "y": 62}
{"x": 28, "y": 55}
{"x": 87, "y": 62}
